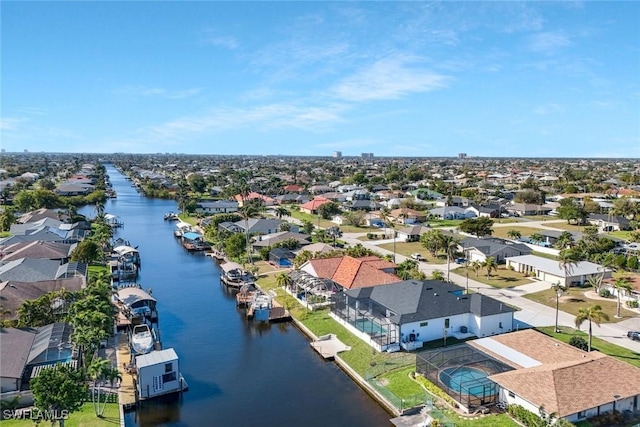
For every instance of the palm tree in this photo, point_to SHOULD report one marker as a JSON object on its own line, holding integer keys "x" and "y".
{"x": 491, "y": 265}
{"x": 476, "y": 266}
{"x": 97, "y": 371}
{"x": 567, "y": 259}
{"x": 565, "y": 239}
{"x": 592, "y": 314}
{"x": 536, "y": 238}
{"x": 386, "y": 217}
{"x": 558, "y": 289}
{"x": 450, "y": 244}
{"x": 281, "y": 211}
{"x": 247, "y": 211}
{"x": 284, "y": 280}
{"x": 621, "y": 284}
{"x": 514, "y": 234}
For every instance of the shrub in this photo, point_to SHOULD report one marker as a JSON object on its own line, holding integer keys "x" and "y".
{"x": 605, "y": 293}
{"x": 579, "y": 342}
{"x": 435, "y": 390}
{"x": 632, "y": 303}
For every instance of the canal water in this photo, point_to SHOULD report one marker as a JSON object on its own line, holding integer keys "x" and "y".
{"x": 239, "y": 373}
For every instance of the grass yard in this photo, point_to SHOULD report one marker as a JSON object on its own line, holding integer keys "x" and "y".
{"x": 502, "y": 232}
{"x": 624, "y": 235}
{"x": 503, "y": 278}
{"x": 602, "y": 346}
{"x": 575, "y": 298}
{"x": 401, "y": 384}
{"x": 85, "y": 417}
{"x": 406, "y": 249}
{"x": 325, "y": 223}
{"x": 436, "y": 223}
{"x": 565, "y": 226}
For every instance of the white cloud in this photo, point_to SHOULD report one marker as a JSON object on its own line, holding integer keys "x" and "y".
{"x": 389, "y": 78}
{"x": 224, "y": 41}
{"x": 545, "y": 110}
{"x": 11, "y": 123}
{"x": 549, "y": 42}
{"x": 158, "y": 92}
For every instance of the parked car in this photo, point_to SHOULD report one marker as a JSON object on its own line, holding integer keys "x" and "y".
{"x": 461, "y": 260}
{"x": 417, "y": 257}
{"x": 634, "y": 335}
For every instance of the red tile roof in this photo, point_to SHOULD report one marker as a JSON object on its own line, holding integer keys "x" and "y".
{"x": 314, "y": 204}
{"x": 352, "y": 273}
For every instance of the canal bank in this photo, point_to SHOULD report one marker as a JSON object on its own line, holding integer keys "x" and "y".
{"x": 239, "y": 372}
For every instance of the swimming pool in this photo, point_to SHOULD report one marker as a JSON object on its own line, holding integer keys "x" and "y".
{"x": 366, "y": 325}
{"x": 465, "y": 380}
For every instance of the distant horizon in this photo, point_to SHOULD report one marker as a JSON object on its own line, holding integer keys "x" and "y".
{"x": 328, "y": 156}
{"x": 507, "y": 79}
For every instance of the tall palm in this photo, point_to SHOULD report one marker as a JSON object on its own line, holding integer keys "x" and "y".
{"x": 247, "y": 211}
{"x": 537, "y": 238}
{"x": 592, "y": 314}
{"x": 565, "y": 239}
{"x": 97, "y": 372}
{"x": 476, "y": 266}
{"x": 558, "y": 289}
{"x": 281, "y": 212}
{"x": 284, "y": 280}
{"x": 450, "y": 244}
{"x": 567, "y": 260}
{"x": 491, "y": 265}
{"x": 621, "y": 285}
{"x": 385, "y": 215}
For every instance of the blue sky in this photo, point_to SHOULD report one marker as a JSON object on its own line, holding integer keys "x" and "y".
{"x": 517, "y": 79}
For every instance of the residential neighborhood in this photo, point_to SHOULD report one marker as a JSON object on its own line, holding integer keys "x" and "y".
{"x": 431, "y": 269}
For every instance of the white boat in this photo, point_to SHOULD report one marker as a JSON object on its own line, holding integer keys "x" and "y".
{"x": 142, "y": 339}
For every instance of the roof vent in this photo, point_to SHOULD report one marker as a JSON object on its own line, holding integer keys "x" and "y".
{"x": 435, "y": 294}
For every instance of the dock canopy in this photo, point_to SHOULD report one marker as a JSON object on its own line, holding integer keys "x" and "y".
{"x": 123, "y": 250}
{"x": 230, "y": 266}
{"x": 192, "y": 236}
{"x": 130, "y": 296}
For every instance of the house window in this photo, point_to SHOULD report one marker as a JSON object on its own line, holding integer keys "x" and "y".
{"x": 512, "y": 394}
{"x": 582, "y": 414}
{"x": 423, "y": 324}
{"x": 169, "y": 377}
{"x": 168, "y": 367}
{"x": 446, "y": 323}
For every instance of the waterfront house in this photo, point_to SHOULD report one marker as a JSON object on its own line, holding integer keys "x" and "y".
{"x": 281, "y": 257}
{"x": 551, "y": 271}
{"x": 259, "y": 225}
{"x": 13, "y": 293}
{"x": 408, "y": 313}
{"x": 559, "y": 377}
{"x": 26, "y": 351}
{"x": 37, "y": 249}
{"x": 266, "y": 240}
{"x": 33, "y": 270}
{"x": 39, "y": 214}
{"x": 216, "y": 207}
{"x": 350, "y": 273}
{"x": 479, "y": 249}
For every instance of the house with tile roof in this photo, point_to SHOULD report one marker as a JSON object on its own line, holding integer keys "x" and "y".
{"x": 569, "y": 382}
{"x": 406, "y": 314}
{"x": 350, "y": 273}
{"x": 311, "y": 207}
{"x": 242, "y": 199}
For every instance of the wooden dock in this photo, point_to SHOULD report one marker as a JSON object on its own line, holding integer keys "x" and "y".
{"x": 278, "y": 313}
{"x": 127, "y": 390}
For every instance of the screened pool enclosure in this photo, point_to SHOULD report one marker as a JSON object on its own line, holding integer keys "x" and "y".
{"x": 462, "y": 372}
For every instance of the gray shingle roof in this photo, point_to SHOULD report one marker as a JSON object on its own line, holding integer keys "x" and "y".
{"x": 413, "y": 300}
{"x": 29, "y": 270}
{"x": 15, "y": 345}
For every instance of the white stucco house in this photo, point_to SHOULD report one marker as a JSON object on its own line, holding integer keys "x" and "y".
{"x": 552, "y": 271}
{"x": 408, "y": 313}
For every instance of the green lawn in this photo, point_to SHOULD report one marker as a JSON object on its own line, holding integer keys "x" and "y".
{"x": 444, "y": 223}
{"x": 401, "y": 384}
{"x": 406, "y": 249}
{"x": 574, "y": 299}
{"x": 503, "y": 278}
{"x": 85, "y": 417}
{"x": 566, "y": 226}
{"x": 602, "y": 346}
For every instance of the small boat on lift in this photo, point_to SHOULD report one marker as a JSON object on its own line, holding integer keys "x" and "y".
{"x": 142, "y": 339}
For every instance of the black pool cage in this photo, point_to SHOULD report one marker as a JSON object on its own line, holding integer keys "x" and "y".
{"x": 462, "y": 372}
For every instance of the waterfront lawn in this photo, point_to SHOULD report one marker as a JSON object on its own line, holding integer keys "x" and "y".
{"x": 85, "y": 417}
{"x": 566, "y": 333}
{"x": 401, "y": 384}
{"x": 503, "y": 278}
{"x": 575, "y": 298}
{"x": 406, "y": 249}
